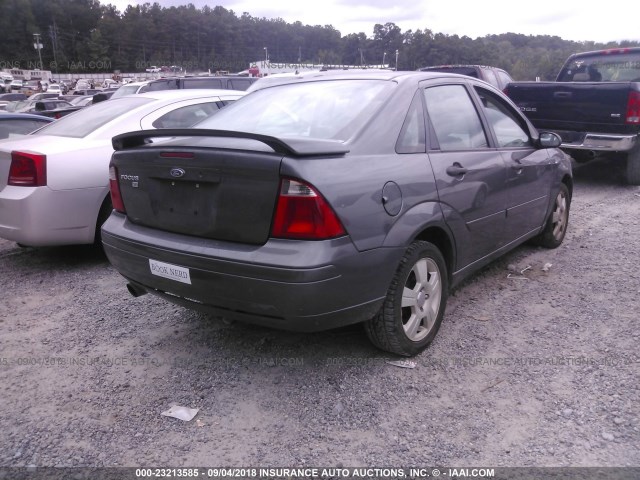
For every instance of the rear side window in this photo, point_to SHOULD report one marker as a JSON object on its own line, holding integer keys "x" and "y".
{"x": 412, "y": 135}
{"x": 454, "y": 118}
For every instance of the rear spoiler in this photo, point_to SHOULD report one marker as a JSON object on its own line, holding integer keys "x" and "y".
{"x": 299, "y": 147}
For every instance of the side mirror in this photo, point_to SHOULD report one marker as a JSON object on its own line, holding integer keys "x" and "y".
{"x": 549, "y": 140}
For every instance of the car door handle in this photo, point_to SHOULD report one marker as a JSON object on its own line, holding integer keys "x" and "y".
{"x": 562, "y": 94}
{"x": 456, "y": 170}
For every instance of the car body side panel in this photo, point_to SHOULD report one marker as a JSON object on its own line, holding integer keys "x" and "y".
{"x": 359, "y": 205}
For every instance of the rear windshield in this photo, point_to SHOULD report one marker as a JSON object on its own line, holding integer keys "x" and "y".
{"x": 125, "y": 90}
{"x": 83, "y": 122}
{"x": 602, "y": 68}
{"x": 332, "y": 109}
{"x": 468, "y": 71}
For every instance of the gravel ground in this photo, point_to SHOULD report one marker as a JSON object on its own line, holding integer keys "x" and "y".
{"x": 530, "y": 368}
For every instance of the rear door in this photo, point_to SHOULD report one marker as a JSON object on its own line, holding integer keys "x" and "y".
{"x": 470, "y": 174}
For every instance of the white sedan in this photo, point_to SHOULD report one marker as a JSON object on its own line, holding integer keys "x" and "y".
{"x": 54, "y": 183}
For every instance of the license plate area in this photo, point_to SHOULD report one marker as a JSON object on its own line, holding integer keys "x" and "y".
{"x": 170, "y": 271}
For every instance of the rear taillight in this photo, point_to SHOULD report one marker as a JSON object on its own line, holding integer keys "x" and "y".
{"x": 28, "y": 170}
{"x": 302, "y": 213}
{"x": 114, "y": 188}
{"x": 633, "y": 108}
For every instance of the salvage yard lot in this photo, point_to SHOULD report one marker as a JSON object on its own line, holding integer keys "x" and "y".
{"x": 532, "y": 366}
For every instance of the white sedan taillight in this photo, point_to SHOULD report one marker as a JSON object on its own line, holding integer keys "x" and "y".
{"x": 28, "y": 170}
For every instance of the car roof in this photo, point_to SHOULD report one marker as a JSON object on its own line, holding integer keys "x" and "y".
{"x": 184, "y": 94}
{"x": 353, "y": 74}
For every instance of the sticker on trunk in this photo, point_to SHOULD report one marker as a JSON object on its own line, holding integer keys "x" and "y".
{"x": 172, "y": 272}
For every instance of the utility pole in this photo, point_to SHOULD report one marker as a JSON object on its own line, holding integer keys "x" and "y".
{"x": 396, "y": 60}
{"x": 38, "y": 46}
{"x": 54, "y": 38}
{"x": 384, "y": 56}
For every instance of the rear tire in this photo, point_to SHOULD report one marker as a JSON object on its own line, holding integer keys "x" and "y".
{"x": 103, "y": 214}
{"x": 556, "y": 227}
{"x": 633, "y": 166}
{"x": 414, "y": 307}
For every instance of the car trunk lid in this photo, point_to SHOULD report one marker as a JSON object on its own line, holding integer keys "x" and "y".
{"x": 212, "y": 184}
{"x": 222, "y": 195}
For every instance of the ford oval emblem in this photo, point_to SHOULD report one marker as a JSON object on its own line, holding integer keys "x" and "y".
{"x": 177, "y": 172}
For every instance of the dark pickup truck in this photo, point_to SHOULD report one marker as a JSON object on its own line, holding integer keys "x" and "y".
{"x": 594, "y": 105}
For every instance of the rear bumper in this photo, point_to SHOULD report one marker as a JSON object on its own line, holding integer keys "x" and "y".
{"x": 603, "y": 142}
{"x": 291, "y": 285}
{"x": 39, "y": 216}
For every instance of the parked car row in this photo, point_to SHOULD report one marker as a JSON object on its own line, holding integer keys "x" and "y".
{"x": 315, "y": 201}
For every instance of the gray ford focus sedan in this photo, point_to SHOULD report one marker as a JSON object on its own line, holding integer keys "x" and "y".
{"x": 327, "y": 199}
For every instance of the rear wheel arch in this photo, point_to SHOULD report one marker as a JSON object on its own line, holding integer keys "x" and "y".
{"x": 443, "y": 241}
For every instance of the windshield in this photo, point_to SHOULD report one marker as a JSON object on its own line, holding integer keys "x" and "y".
{"x": 332, "y": 109}
{"x": 85, "y": 121}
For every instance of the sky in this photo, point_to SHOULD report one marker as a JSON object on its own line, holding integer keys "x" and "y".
{"x": 567, "y": 19}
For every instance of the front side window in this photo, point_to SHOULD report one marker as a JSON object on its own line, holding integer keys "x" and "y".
{"x": 454, "y": 118}
{"x": 507, "y": 125}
